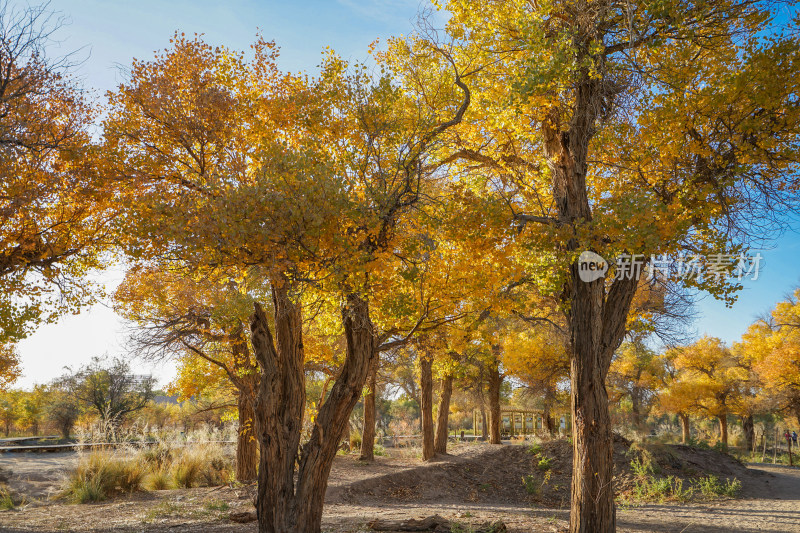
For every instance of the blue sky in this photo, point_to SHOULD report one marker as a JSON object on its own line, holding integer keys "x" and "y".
{"x": 110, "y": 33}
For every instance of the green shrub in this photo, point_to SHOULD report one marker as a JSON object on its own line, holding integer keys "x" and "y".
{"x": 732, "y": 488}
{"x": 679, "y": 493}
{"x": 720, "y": 447}
{"x": 642, "y": 468}
{"x": 710, "y": 486}
{"x": 535, "y": 449}
{"x": 642, "y": 464}
{"x": 653, "y": 488}
{"x": 699, "y": 444}
{"x": 6, "y": 501}
{"x": 544, "y": 464}
{"x": 649, "y": 487}
{"x": 531, "y": 487}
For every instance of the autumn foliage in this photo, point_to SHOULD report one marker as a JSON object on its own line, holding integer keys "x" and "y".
{"x": 298, "y": 242}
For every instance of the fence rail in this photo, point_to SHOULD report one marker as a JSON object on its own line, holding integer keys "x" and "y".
{"x": 90, "y": 445}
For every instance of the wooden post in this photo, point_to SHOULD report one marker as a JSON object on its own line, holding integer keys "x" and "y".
{"x": 764, "y": 443}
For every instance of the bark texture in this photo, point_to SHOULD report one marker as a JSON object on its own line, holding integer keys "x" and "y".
{"x": 245, "y": 378}
{"x": 292, "y": 482}
{"x": 685, "y": 427}
{"x": 596, "y": 313}
{"x": 426, "y": 389}
{"x": 495, "y": 381}
{"x": 435, "y": 524}
{"x": 723, "y": 431}
{"x": 368, "y": 435}
{"x": 749, "y": 432}
{"x": 246, "y": 443}
{"x": 440, "y": 443}
{"x": 484, "y": 423}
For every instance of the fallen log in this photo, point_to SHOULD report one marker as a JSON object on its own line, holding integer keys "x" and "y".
{"x": 435, "y": 524}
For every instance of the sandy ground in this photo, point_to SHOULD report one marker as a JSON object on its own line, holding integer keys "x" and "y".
{"x": 36, "y": 475}
{"x": 359, "y": 493}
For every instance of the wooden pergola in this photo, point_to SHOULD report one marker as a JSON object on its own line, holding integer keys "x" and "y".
{"x": 515, "y": 422}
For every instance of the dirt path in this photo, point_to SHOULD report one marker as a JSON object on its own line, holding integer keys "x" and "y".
{"x": 36, "y": 475}
{"x": 771, "y": 503}
{"x": 777, "y": 510}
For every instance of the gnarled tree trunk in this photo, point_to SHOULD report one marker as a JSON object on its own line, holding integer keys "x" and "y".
{"x": 245, "y": 378}
{"x": 723, "y": 431}
{"x": 749, "y": 432}
{"x": 246, "y": 443}
{"x": 368, "y": 435}
{"x": 426, "y": 394}
{"x": 593, "y": 465}
{"x": 597, "y": 327}
{"x": 292, "y": 482}
{"x": 495, "y": 381}
{"x": 440, "y": 444}
{"x": 550, "y": 423}
{"x": 685, "y": 427}
{"x": 596, "y": 318}
{"x": 484, "y": 423}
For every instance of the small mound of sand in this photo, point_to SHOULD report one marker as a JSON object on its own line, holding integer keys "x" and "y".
{"x": 488, "y": 473}
{"x": 510, "y": 474}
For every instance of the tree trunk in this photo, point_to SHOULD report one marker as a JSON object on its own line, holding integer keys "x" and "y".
{"x": 749, "y": 432}
{"x": 593, "y": 465}
{"x": 284, "y": 505}
{"x": 245, "y": 378}
{"x": 440, "y": 444}
{"x": 723, "y": 431}
{"x": 495, "y": 380}
{"x": 550, "y": 423}
{"x": 426, "y": 393}
{"x": 596, "y": 331}
{"x": 66, "y": 429}
{"x": 484, "y": 423}
{"x": 368, "y": 434}
{"x": 547, "y": 417}
{"x": 685, "y": 427}
{"x": 246, "y": 443}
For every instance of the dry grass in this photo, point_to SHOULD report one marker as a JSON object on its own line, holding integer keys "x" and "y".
{"x": 201, "y": 466}
{"x": 103, "y": 474}
{"x": 6, "y": 500}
